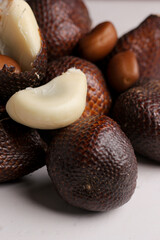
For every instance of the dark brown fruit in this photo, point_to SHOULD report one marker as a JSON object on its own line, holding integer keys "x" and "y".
{"x": 63, "y": 23}
{"x": 138, "y": 113}
{"x": 11, "y": 82}
{"x": 92, "y": 164}
{"x": 123, "y": 71}
{"x": 98, "y": 96}
{"x": 144, "y": 41}
{"x": 22, "y": 151}
{"x": 3, "y": 113}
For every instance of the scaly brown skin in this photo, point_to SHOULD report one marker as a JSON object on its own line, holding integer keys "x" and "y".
{"x": 12, "y": 82}
{"x": 92, "y": 164}
{"x": 22, "y": 151}
{"x": 63, "y": 23}
{"x": 138, "y": 113}
{"x": 144, "y": 41}
{"x": 98, "y": 96}
{"x": 3, "y": 113}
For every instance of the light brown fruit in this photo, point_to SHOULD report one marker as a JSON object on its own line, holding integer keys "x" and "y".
{"x": 96, "y": 44}
{"x": 123, "y": 71}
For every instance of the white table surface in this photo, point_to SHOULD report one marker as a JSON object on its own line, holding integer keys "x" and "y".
{"x": 30, "y": 209}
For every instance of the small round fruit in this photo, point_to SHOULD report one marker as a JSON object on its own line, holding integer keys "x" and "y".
{"x": 99, "y": 42}
{"x": 123, "y": 71}
{"x": 8, "y": 62}
{"x": 92, "y": 164}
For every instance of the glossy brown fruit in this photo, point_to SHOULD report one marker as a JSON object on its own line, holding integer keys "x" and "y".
{"x": 92, "y": 164}
{"x": 123, "y": 71}
{"x": 98, "y": 96}
{"x": 63, "y": 23}
{"x": 22, "y": 151}
{"x": 138, "y": 113}
{"x": 11, "y": 82}
{"x": 99, "y": 42}
{"x": 144, "y": 41}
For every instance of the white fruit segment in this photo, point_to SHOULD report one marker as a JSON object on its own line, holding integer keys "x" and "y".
{"x": 54, "y": 105}
{"x": 19, "y": 32}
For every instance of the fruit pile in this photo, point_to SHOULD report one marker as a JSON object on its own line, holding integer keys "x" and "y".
{"x": 59, "y": 81}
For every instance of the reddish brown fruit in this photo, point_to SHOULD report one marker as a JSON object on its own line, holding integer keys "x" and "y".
{"x": 144, "y": 41}
{"x": 22, "y": 151}
{"x": 123, "y": 71}
{"x": 63, "y": 23}
{"x": 99, "y": 42}
{"x": 92, "y": 164}
{"x": 98, "y": 96}
{"x": 138, "y": 113}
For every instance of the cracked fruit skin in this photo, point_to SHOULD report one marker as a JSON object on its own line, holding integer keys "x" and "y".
{"x": 12, "y": 82}
{"x": 22, "y": 41}
{"x": 144, "y": 41}
{"x": 98, "y": 96}
{"x": 92, "y": 164}
{"x": 63, "y": 23}
{"x": 22, "y": 151}
{"x": 138, "y": 113}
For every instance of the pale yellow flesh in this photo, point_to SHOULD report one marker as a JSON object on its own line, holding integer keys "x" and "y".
{"x": 54, "y": 105}
{"x": 19, "y": 32}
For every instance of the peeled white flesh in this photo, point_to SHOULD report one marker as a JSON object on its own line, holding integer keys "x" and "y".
{"x": 19, "y": 32}
{"x": 54, "y": 105}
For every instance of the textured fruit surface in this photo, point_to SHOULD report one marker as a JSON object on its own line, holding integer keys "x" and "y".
{"x": 144, "y": 41}
{"x": 21, "y": 150}
{"x": 3, "y": 113}
{"x": 92, "y": 164}
{"x": 98, "y": 96}
{"x": 138, "y": 113}
{"x": 12, "y": 82}
{"x": 63, "y": 23}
